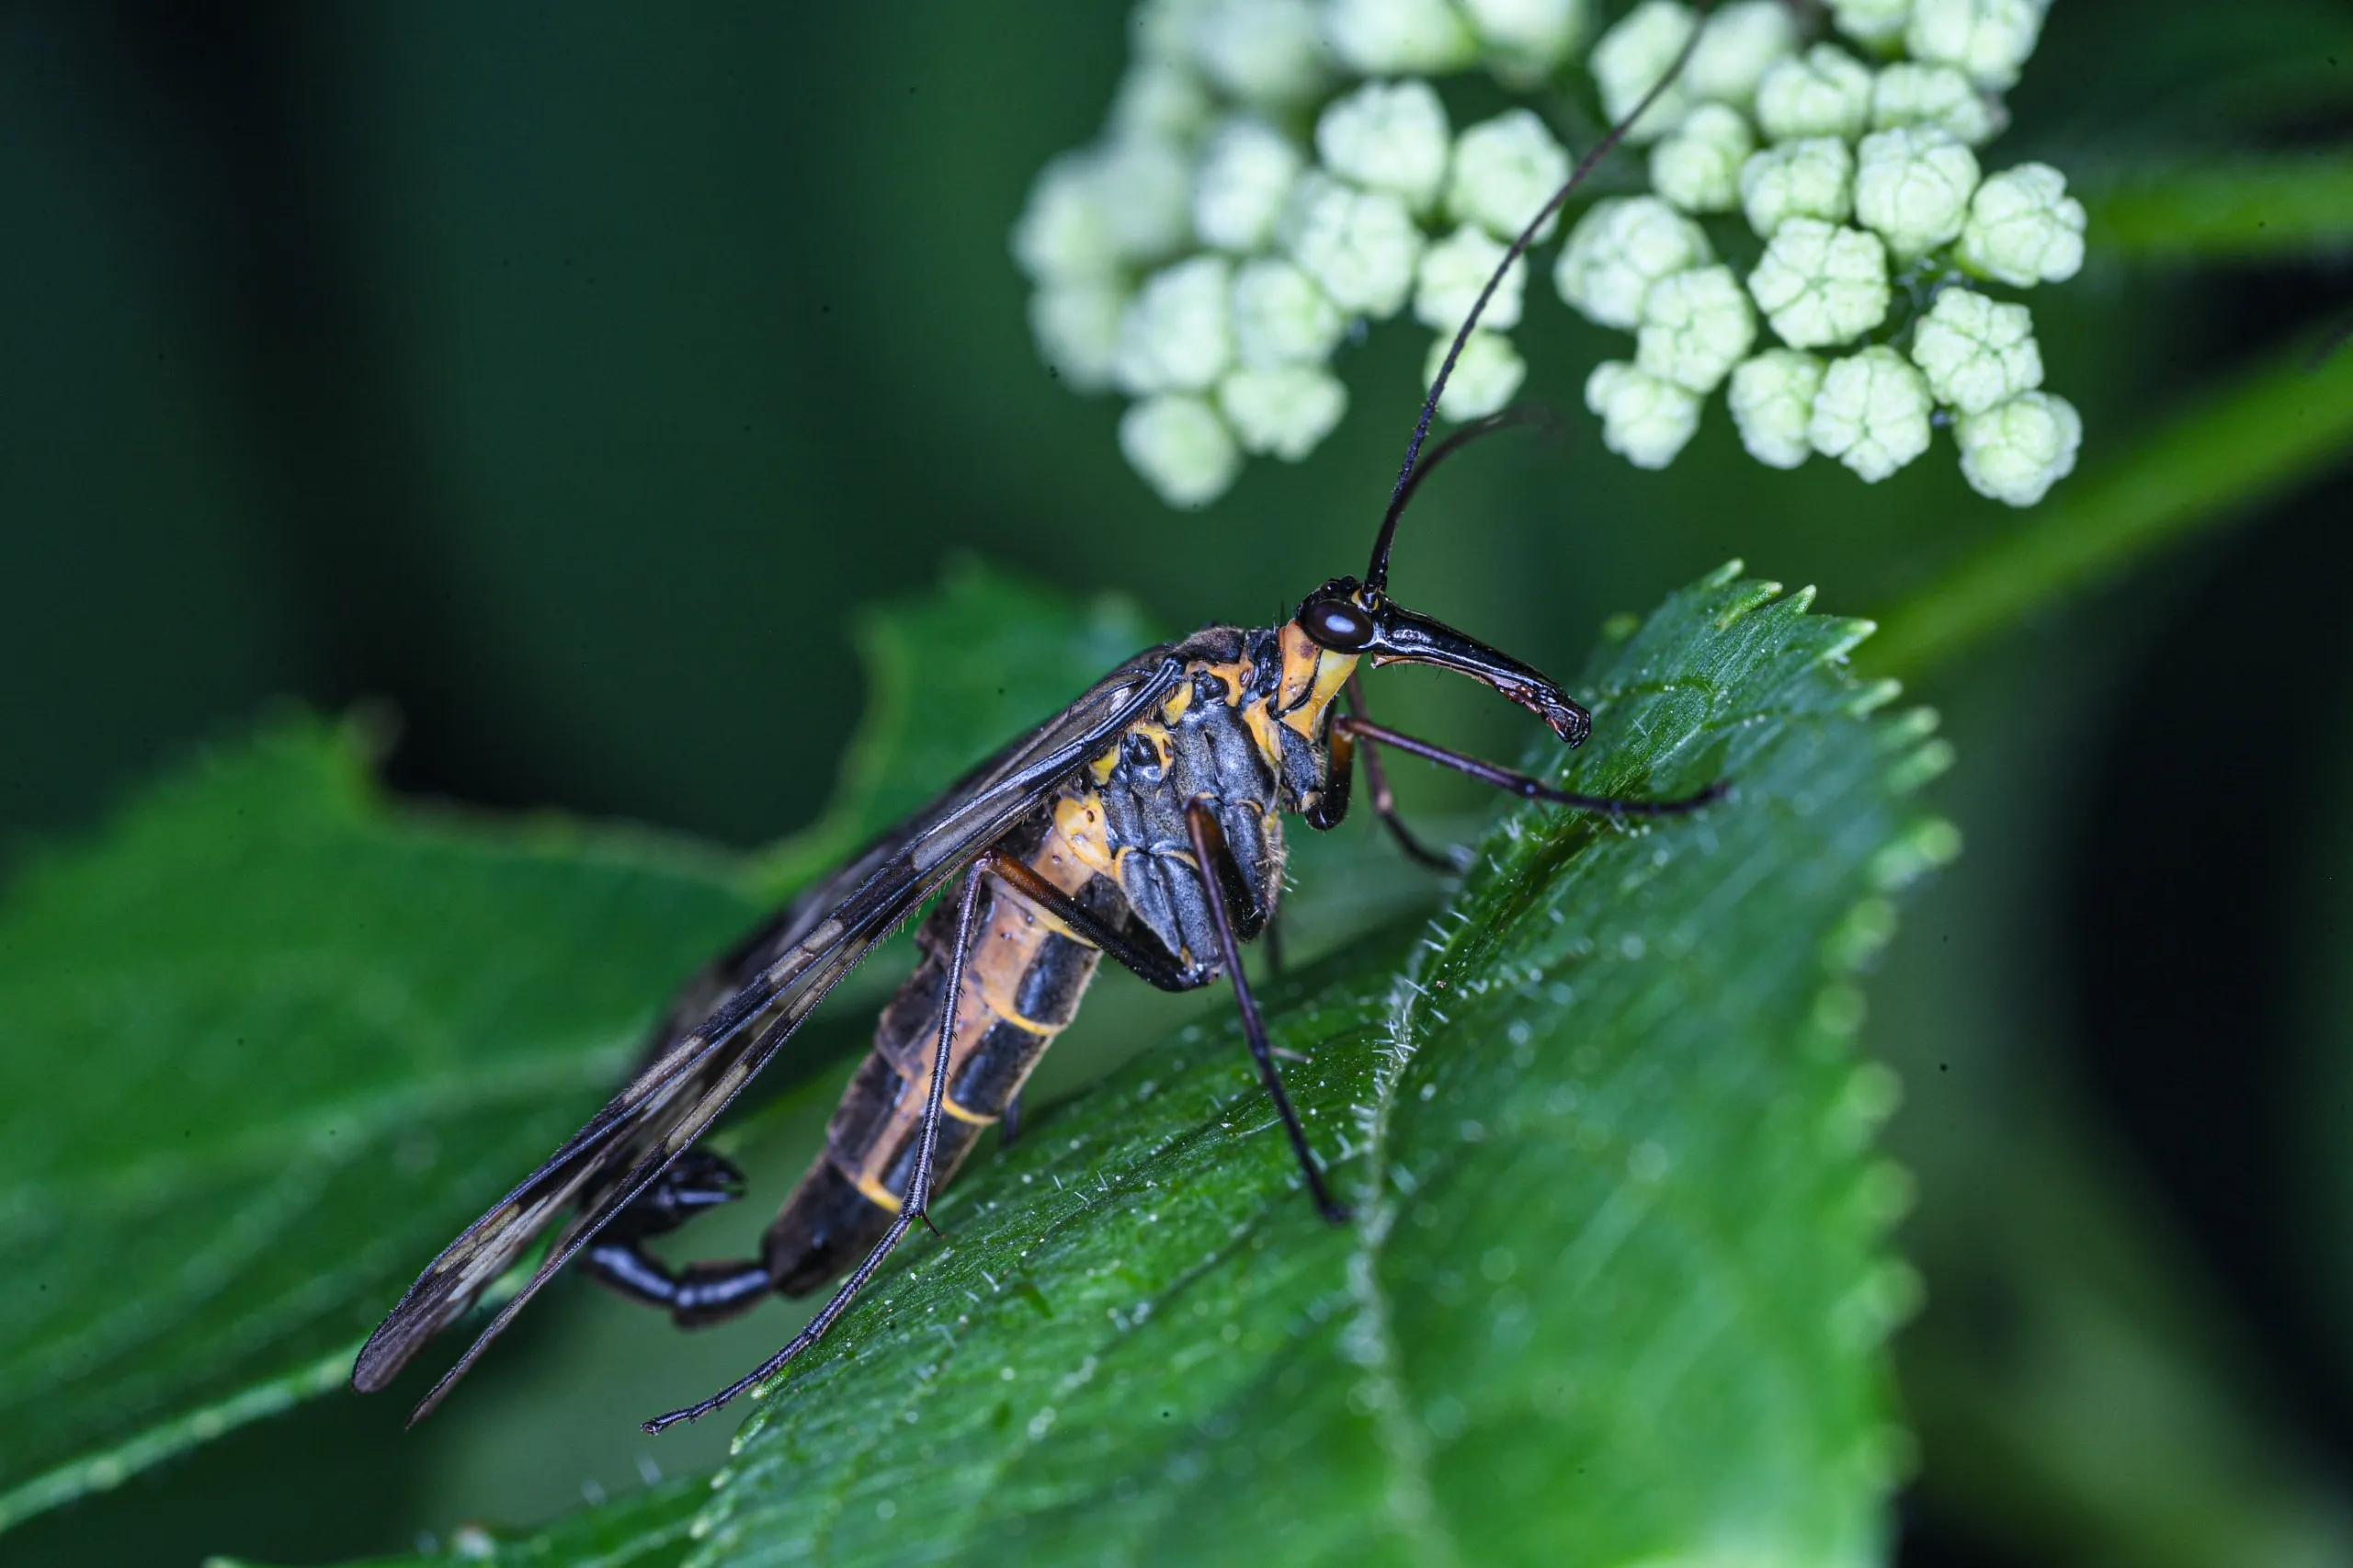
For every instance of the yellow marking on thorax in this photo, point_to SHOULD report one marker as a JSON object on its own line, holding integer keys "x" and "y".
{"x": 1231, "y": 677}
{"x": 1262, "y": 730}
{"x": 1178, "y": 703}
{"x": 1157, "y": 736}
{"x": 1078, "y": 820}
{"x": 1312, "y": 677}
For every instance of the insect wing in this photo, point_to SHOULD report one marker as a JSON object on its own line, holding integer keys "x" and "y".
{"x": 786, "y": 970}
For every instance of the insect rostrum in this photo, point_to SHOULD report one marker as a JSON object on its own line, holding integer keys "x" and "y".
{"x": 1146, "y": 822}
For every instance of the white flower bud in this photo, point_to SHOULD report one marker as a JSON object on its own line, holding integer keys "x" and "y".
{"x": 1453, "y": 273}
{"x": 1975, "y": 352}
{"x": 1263, "y": 51}
{"x": 1697, "y": 165}
{"x": 1361, "y": 245}
{"x": 1160, "y": 99}
{"x": 1287, "y": 411}
{"x": 1772, "y": 402}
{"x": 1913, "y": 185}
{"x": 1244, "y": 178}
{"x": 2017, "y": 450}
{"x": 1181, "y": 447}
{"x": 1696, "y": 328}
{"x": 1812, "y": 178}
{"x": 1386, "y": 136}
{"x": 1178, "y": 334}
{"x": 1280, "y": 317}
{"x": 1064, "y": 231}
{"x": 1532, "y": 36}
{"x": 1076, "y": 325}
{"x": 1145, "y": 187}
{"x": 1163, "y": 29}
{"x": 1617, "y": 250}
{"x": 1643, "y": 419}
{"x": 1871, "y": 413}
{"x": 1824, "y": 92}
{"x": 1629, "y": 59}
{"x": 2024, "y": 227}
{"x": 1505, "y": 169}
{"x": 1399, "y": 38}
{"x": 1821, "y": 284}
{"x": 1486, "y": 375}
{"x": 1905, "y": 94}
{"x": 1871, "y": 21}
{"x": 1737, "y": 43}
{"x": 1986, "y": 40}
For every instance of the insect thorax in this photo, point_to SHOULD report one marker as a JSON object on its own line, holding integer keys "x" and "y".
{"x": 1249, "y": 731}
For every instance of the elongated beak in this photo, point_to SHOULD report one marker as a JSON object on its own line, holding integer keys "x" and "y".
{"x": 1401, "y": 637}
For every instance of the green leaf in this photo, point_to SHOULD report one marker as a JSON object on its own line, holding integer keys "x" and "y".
{"x": 274, "y": 1039}
{"x": 267, "y": 1047}
{"x": 2278, "y": 426}
{"x": 1615, "y": 1293}
{"x": 650, "y": 1529}
{"x": 2240, "y": 209}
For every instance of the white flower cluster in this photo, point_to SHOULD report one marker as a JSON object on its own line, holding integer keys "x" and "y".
{"x": 1862, "y": 180}
{"x": 1274, "y": 173}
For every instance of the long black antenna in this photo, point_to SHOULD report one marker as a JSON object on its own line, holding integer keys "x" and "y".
{"x": 1376, "y": 576}
{"x": 1534, "y": 414}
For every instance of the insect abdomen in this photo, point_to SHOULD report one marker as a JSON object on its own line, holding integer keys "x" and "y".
{"x": 1022, "y": 987}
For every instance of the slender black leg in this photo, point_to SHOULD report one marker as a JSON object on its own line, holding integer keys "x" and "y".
{"x": 1210, "y": 851}
{"x": 701, "y": 1292}
{"x": 1451, "y": 860}
{"x": 1008, "y": 1122}
{"x": 918, "y": 1196}
{"x": 1384, "y": 802}
{"x": 1520, "y": 784}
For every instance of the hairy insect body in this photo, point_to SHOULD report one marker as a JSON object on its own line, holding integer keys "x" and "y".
{"x": 1247, "y": 731}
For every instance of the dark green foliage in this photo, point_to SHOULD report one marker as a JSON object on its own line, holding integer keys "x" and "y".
{"x": 652, "y": 1530}
{"x": 269, "y": 1047}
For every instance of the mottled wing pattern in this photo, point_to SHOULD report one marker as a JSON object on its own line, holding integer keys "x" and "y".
{"x": 787, "y": 970}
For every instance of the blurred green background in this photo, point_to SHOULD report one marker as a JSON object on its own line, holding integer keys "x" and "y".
{"x": 559, "y": 378}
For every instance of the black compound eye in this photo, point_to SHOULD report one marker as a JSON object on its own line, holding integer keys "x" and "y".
{"x": 1336, "y": 624}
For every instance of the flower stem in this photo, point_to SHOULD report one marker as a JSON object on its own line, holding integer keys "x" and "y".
{"x": 2278, "y": 426}
{"x": 2245, "y": 208}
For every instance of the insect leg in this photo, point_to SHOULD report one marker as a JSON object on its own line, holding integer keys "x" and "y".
{"x": 1451, "y": 861}
{"x": 700, "y": 1293}
{"x": 1517, "y": 783}
{"x": 1209, "y": 850}
{"x": 1008, "y": 1122}
{"x": 918, "y": 1196}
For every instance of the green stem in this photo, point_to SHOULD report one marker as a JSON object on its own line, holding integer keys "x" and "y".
{"x": 2278, "y": 428}
{"x": 2222, "y": 210}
